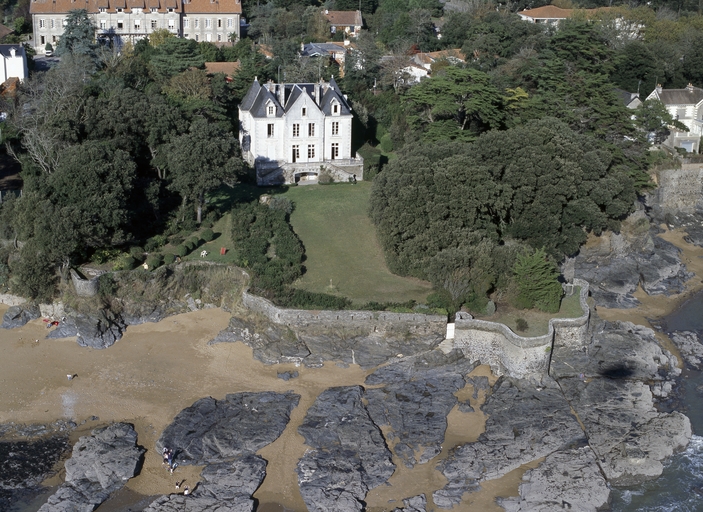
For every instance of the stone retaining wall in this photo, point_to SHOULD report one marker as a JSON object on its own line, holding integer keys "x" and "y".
{"x": 84, "y": 287}
{"x": 508, "y": 353}
{"x": 369, "y": 321}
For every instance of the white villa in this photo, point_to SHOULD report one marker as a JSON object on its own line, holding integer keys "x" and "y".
{"x": 131, "y": 20}
{"x": 292, "y": 133}
{"x": 686, "y": 105}
{"x": 14, "y": 62}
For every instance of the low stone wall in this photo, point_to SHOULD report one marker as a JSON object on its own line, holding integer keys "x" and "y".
{"x": 367, "y": 321}
{"x": 84, "y": 287}
{"x": 680, "y": 190}
{"x": 508, "y": 353}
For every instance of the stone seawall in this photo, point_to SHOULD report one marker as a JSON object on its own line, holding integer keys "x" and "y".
{"x": 680, "y": 190}
{"x": 508, "y": 353}
{"x": 366, "y": 321}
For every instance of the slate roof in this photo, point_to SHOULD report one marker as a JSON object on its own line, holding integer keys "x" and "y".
{"x": 625, "y": 96}
{"x": 314, "y": 49}
{"x": 344, "y": 18}
{"x": 258, "y": 97}
{"x": 5, "y": 50}
{"x": 689, "y": 96}
{"x": 92, "y": 6}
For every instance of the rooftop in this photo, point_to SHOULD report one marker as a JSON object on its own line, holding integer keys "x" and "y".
{"x": 344, "y": 18}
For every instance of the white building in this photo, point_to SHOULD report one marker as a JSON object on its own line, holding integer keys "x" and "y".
{"x": 131, "y": 20}
{"x": 295, "y": 132}
{"x": 14, "y": 62}
{"x": 685, "y": 105}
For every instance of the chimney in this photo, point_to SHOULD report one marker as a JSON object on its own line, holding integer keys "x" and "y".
{"x": 659, "y": 88}
{"x": 317, "y": 93}
{"x": 281, "y": 95}
{"x": 302, "y": 47}
{"x": 689, "y": 87}
{"x": 12, "y": 51}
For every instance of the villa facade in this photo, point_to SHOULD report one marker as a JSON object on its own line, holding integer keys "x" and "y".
{"x": 131, "y": 20}
{"x": 294, "y": 133}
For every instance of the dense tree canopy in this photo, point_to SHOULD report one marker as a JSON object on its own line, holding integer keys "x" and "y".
{"x": 541, "y": 184}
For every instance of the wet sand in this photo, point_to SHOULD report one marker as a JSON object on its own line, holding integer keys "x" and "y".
{"x": 158, "y": 369}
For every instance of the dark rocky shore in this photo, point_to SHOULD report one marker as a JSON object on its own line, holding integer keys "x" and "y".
{"x": 593, "y": 422}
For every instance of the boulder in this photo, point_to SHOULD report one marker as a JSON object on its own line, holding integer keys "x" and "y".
{"x": 99, "y": 329}
{"x": 526, "y": 421}
{"x": 567, "y": 480}
{"x": 212, "y": 431}
{"x": 690, "y": 347}
{"x": 349, "y": 455}
{"x": 414, "y": 504}
{"x": 414, "y": 400}
{"x": 17, "y": 316}
{"x": 66, "y": 329}
{"x": 100, "y": 465}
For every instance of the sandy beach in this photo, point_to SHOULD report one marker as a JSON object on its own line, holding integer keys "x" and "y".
{"x": 158, "y": 369}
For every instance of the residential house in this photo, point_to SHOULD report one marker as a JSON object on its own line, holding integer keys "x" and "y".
{"x": 5, "y": 31}
{"x": 14, "y": 62}
{"x": 630, "y": 99}
{"x": 551, "y": 14}
{"x": 685, "y": 105}
{"x": 336, "y": 52}
{"x": 130, "y": 20}
{"x": 348, "y": 21}
{"x": 291, "y": 133}
{"x": 426, "y": 59}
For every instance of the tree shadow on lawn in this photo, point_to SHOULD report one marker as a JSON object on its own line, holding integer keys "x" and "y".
{"x": 225, "y": 198}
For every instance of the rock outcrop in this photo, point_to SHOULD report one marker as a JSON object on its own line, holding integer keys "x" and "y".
{"x": 526, "y": 421}
{"x": 224, "y": 435}
{"x": 100, "y": 465}
{"x": 414, "y": 504}
{"x": 227, "y": 486}
{"x": 416, "y": 396}
{"x": 690, "y": 347}
{"x": 606, "y": 383}
{"x": 313, "y": 345}
{"x": 27, "y": 458}
{"x": 212, "y": 431}
{"x": 17, "y": 316}
{"x": 349, "y": 454}
{"x": 566, "y": 480}
{"x": 621, "y": 262}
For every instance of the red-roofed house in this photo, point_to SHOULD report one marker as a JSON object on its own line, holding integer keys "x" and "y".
{"x": 131, "y": 20}
{"x": 348, "y": 21}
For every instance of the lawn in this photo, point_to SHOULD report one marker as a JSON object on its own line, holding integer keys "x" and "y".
{"x": 537, "y": 321}
{"x": 343, "y": 254}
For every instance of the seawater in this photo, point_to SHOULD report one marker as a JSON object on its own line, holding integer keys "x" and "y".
{"x": 680, "y": 488}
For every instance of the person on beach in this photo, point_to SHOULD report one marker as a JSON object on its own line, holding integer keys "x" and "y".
{"x": 186, "y": 491}
{"x": 165, "y": 455}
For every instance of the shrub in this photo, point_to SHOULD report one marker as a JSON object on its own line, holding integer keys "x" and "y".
{"x": 281, "y": 203}
{"x": 194, "y": 241}
{"x": 124, "y": 262}
{"x": 169, "y": 258}
{"x": 104, "y": 255}
{"x": 294, "y": 298}
{"x": 153, "y": 261}
{"x": 155, "y": 242}
{"x": 207, "y": 235}
{"x": 137, "y": 253}
{"x": 325, "y": 178}
{"x": 181, "y": 250}
{"x": 386, "y": 143}
{"x": 106, "y": 285}
{"x": 521, "y": 325}
{"x": 176, "y": 240}
{"x": 537, "y": 282}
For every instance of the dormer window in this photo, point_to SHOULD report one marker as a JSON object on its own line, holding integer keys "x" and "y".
{"x": 335, "y": 108}
{"x": 101, "y": 9}
{"x": 270, "y": 111}
{"x": 120, "y": 10}
{"x": 154, "y": 9}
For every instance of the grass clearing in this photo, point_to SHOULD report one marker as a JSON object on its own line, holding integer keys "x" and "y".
{"x": 343, "y": 256}
{"x": 537, "y": 321}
